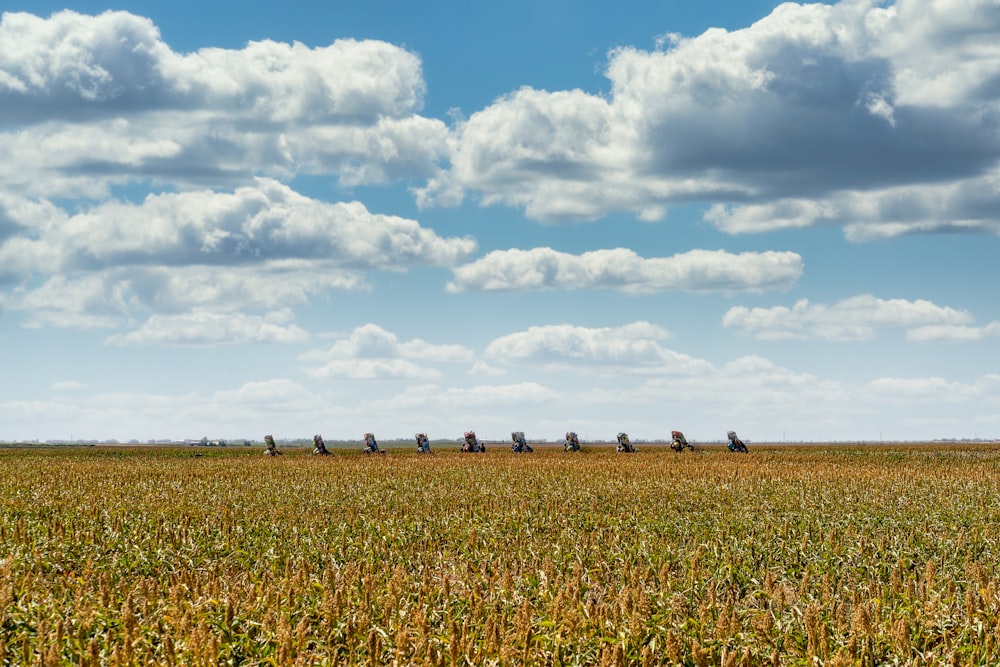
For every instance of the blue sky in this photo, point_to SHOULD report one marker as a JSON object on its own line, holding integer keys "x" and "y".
{"x": 346, "y": 217}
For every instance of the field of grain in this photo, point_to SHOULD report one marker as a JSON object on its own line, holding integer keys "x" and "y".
{"x": 790, "y": 556}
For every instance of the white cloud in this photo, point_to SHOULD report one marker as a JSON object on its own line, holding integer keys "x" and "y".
{"x": 624, "y": 270}
{"x": 261, "y": 246}
{"x": 962, "y": 35}
{"x": 564, "y": 142}
{"x": 783, "y": 214}
{"x": 370, "y": 352}
{"x": 634, "y": 348}
{"x": 793, "y": 121}
{"x": 92, "y": 59}
{"x": 267, "y": 284}
{"x": 854, "y": 318}
{"x": 265, "y": 221}
{"x": 98, "y": 100}
{"x": 211, "y": 328}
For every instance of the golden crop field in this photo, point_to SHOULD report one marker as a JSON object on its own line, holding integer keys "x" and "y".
{"x": 785, "y": 556}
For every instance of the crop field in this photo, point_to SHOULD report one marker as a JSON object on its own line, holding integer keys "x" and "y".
{"x": 786, "y": 556}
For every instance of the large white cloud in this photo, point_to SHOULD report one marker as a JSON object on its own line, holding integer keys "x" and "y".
{"x": 961, "y": 34}
{"x": 634, "y": 348}
{"x": 558, "y": 155}
{"x": 855, "y": 318}
{"x": 260, "y": 246}
{"x": 190, "y": 150}
{"x": 623, "y": 269}
{"x": 783, "y": 121}
{"x": 117, "y": 60}
{"x": 264, "y": 221}
{"x": 89, "y": 101}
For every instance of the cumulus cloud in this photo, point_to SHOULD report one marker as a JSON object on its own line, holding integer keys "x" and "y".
{"x": 634, "y": 348}
{"x": 806, "y": 117}
{"x": 117, "y": 60}
{"x": 260, "y": 246}
{"x": 855, "y": 318}
{"x": 370, "y": 352}
{"x": 261, "y": 222}
{"x": 624, "y": 270}
{"x": 565, "y": 143}
{"x": 102, "y": 99}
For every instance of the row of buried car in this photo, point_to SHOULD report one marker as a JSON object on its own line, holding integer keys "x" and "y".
{"x": 519, "y": 444}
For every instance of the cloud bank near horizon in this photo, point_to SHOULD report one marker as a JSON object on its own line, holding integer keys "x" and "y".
{"x": 751, "y": 391}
